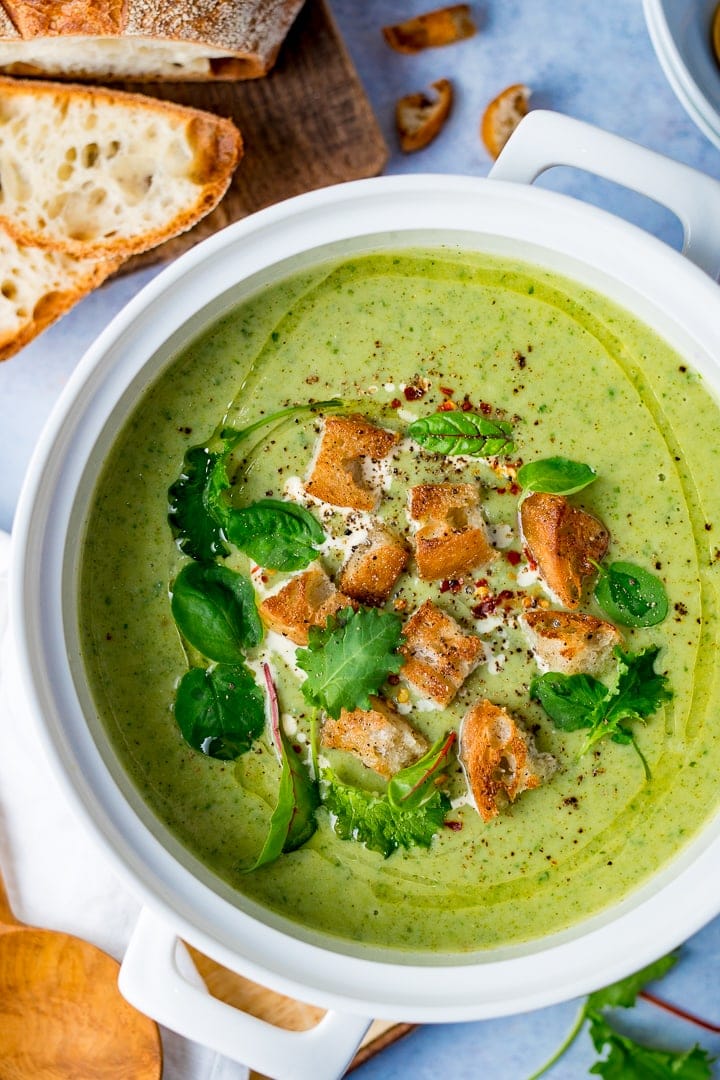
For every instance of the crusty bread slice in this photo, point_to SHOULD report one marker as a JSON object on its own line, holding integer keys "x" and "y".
{"x": 143, "y": 40}
{"x": 37, "y": 286}
{"x": 99, "y": 173}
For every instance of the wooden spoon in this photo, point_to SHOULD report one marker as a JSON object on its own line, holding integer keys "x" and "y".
{"x": 61, "y": 1014}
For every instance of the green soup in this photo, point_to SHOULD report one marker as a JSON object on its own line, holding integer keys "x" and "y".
{"x": 579, "y": 377}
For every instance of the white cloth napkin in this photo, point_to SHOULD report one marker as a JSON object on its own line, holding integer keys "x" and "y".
{"x": 56, "y": 874}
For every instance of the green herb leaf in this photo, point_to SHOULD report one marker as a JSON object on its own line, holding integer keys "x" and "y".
{"x": 293, "y": 819}
{"x": 215, "y": 611}
{"x": 629, "y": 1060}
{"x": 194, "y": 525}
{"x": 555, "y": 475}
{"x": 350, "y": 659}
{"x": 370, "y": 818}
{"x": 623, "y": 994}
{"x": 571, "y": 701}
{"x": 462, "y": 433}
{"x": 220, "y": 711}
{"x": 630, "y": 595}
{"x": 581, "y": 701}
{"x": 414, "y": 786}
{"x": 277, "y": 535}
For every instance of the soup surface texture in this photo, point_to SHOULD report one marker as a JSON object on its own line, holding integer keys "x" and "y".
{"x": 575, "y": 376}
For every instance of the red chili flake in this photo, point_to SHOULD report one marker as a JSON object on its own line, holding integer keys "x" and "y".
{"x": 485, "y": 408}
{"x": 447, "y": 406}
{"x": 505, "y": 594}
{"x": 413, "y": 393}
{"x": 515, "y": 489}
{"x": 485, "y": 607}
{"x": 453, "y": 585}
{"x": 501, "y": 491}
{"x": 264, "y": 578}
{"x": 456, "y": 826}
{"x": 513, "y": 557}
{"x": 393, "y": 680}
{"x": 482, "y": 582}
{"x": 447, "y": 391}
{"x": 395, "y": 403}
{"x": 467, "y": 405}
{"x": 297, "y": 749}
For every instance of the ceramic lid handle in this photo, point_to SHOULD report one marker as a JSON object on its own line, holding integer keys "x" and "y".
{"x": 545, "y": 139}
{"x": 151, "y": 979}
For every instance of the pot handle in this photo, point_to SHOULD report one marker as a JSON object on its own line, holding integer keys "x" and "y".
{"x": 544, "y": 139}
{"x": 152, "y": 979}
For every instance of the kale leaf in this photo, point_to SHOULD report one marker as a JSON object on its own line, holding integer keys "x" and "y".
{"x": 350, "y": 658}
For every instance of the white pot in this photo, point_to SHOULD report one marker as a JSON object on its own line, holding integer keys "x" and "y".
{"x": 182, "y": 900}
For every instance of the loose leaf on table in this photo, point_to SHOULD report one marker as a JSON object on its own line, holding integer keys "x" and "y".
{"x": 293, "y": 819}
{"x": 623, "y": 994}
{"x": 277, "y": 535}
{"x": 412, "y": 787}
{"x": 555, "y": 476}
{"x": 220, "y": 711}
{"x": 350, "y": 658}
{"x": 369, "y": 818}
{"x": 629, "y": 1060}
{"x": 191, "y": 498}
{"x": 215, "y": 611}
{"x": 462, "y": 433}
{"x": 581, "y": 701}
{"x": 630, "y": 595}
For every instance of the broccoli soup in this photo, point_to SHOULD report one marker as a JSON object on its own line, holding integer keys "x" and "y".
{"x": 412, "y": 642}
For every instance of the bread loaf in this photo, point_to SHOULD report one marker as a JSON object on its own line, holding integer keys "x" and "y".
{"x": 103, "y": 174}
{"x": 144, "y": 40}
{"x": 37, "y": 286}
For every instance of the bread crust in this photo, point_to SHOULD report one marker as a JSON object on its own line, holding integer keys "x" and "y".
{"x": 564, "y": 541}
{"x": 216, "y": 142}
{"x": 336, "y": 476}
{"x": 451, "y": 539}
{"x": 247, "y": 34}
{"x": 307, "y": 600}
{"x": 438, "y": 655}
{"x": 570, "y": 641}
{"x": 369, "y": 575}
{"x": 380, "y": 737}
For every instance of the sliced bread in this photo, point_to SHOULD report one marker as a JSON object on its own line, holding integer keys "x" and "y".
{"x": 37, "y": 286}
{"x": 104, "y": 174}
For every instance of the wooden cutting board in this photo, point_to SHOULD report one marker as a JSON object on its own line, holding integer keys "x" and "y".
{"x": 306, "y": 125}
{"x": 286, "y": 1012}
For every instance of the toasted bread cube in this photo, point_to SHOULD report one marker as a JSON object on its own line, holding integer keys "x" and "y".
{"x": 438, "y": 655}
{"x": 452, "y": 538}
{"x": 570, "y": 642}
{"x": 499, "y": 758}
{"x": 369, "y": 575}
{"x": 564, "y": 542}
{"x": 380, "y": 737}
{"x": 346, "y": 445}
{"x": 305, "y": 601}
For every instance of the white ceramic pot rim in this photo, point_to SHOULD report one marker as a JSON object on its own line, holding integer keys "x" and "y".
{"x": 660, "y": 286}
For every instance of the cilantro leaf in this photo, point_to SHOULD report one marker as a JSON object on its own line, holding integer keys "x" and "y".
{"x": 191, "y": 499}
{"x": 350, "y": 658}
{"x": 623, "y": 994}
{"x": 371, "y": 819}
{"x": 629, "y": 1060}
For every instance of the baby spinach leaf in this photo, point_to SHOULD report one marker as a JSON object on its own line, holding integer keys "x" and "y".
{"x": 220, "y": 711}
{"x": 215, "y": 611}
{"x": 630, "y": 595}
{"x": 555, "y": 476}
{"x": 630, "y": 1060}
{"x": 350, "y": 658}
{"x": 293, "y": 819}
{"x": 277, "y": 535}
{"x": 414, "y": 786}
{"x": 370, "y": 818}
{"x": 581, "y": 701}
{"x": 462, "y": 433}
{"x": 191, "y": 500}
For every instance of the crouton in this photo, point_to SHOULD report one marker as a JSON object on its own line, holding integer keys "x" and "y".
{"x": 380, "y": 737}
{"x": 570, "y": 642}
{"x": 347, "y": 444}
{"x": 420, "y": 118}
{"x": 305, "y": 601}
{"x": 564, "y": 542}
{"x": 370, "y": 573}
{"x": 499, "y": 758}
{"x": 444, "y": 26}
{"x": 451, "y": 539}
{"x": 438, "y": 655}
